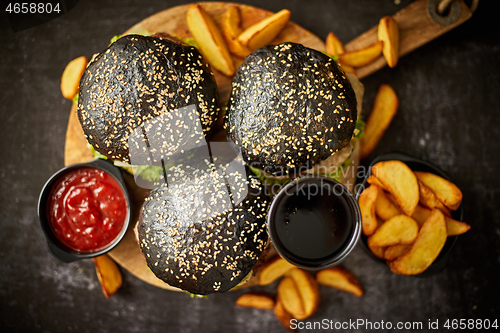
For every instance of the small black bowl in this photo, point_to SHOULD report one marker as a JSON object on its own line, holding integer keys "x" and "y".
{"x": 55, "y": 246}
{"x": 417, "y": 165}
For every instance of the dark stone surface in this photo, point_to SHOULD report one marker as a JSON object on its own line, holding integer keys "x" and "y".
{"x": 448, "y": 115}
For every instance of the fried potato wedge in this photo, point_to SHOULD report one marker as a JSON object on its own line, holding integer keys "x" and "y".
{"x": 429, "y": 199}
{"x": 385, "y": 208}
{"x": 108, "y": 274}
{"x": 283, "y": 316}
{"x": 362, "y": 57}
{"x": 333, "y": 45}
{"x": 400, "y": 229}
{"x": 340, "y": 278}
{"x": 374, "y": 181}
{"x": 348, "y": 69}
{"x": 70, "y": 79}
{"x": 376, "y": 250}
{"x": 388, "y": 32}
{"x": 395, "y": 251}
{"x": 367, "y": 201}
{"x": 427, "y": 246}
{"x": 308, "y": 290}
{"x": 265, "y": 31}
{"x": 400, "y": 181}
{"x": 453, "y": 227}
{"x": 273, "y": 270}
{"x": 290, "y": 297}
{"x": 258, "y": 300}
{"x": 210, "y": 40}
{"x": 383, "y": 111}
{"x": 447, "y": 192}
{"x": 230, "y": 28}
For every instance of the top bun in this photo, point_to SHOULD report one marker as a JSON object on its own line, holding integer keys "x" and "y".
{"x": 137, "y": 79}
{"x": 290, "y": 108}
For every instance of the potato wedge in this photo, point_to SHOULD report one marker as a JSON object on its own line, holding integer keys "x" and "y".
{"x": 348, "y": 69}
{"x": 108, "y": 274}
{"x": 333, "y": 45}
{"x": 265, "y": 31}
{"x": 290, "y": 297}
{"x": 453, "y": 227}
{"x": 283, "y": 316}
{"x": 340, "y": 278}
{"x": 209, "y": 38}
{"x": 385, "y": 208}
{"x": 258, "y": 300}
{"x": 429, "y": 199}
{"x": 383, "y": 111}
{"x": 395, "y": 251}
{"x": 308, "y": 290}
{"x": 231, "y": 30}
{"x": 377, "y": 251}
{"x": 70, "y": 79}
{"x": 447, "y": 192}
{"x": 363, "y": 56}
{"x": 400, "y": 229}
{"x": 273, "y": 270}
{"x": 400, "y": 181}
{"x": 374, "y": 181}
{"x": 367, "y": 201}
{"x": 427, "y": 246}
{"x": 388, "y": 32}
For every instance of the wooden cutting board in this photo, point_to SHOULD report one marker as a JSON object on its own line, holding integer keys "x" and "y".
{"x": 172, "y": 21}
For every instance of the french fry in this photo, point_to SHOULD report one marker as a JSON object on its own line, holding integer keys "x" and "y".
{"x": 273, "y": 270}
{"x": 289, "y": 295}
{"x": 400, "y": 181}
{"x": 348, "y": 69}
{"x": 429, "y": 199}
{"x": 367, "y": 201}
{"x": 385, "y": 208}
{"x": 395, "y": 251}
{"x": 453, "y": 227}
{"x": 231, "y": 30}
{"x": 283, "y": 316}
{"x": 399, "y": 229}
{"x": 340, "y": 278}
{"x": 265, "y": 31}
{"x": 258, "y": 300}
{"x": 108, "y": 274}
{"x": 361, "y": 57}
{"x": 210, "y": 40}
{"x": 383, "y": 111}
{"x": 308, "y": 290}
{"x": 447, "y": 192}
{"x": 71, "y": 75}
{"x": 377, "y": 251}
{"x": 427, "y": 246}
{"x": 333, "y": 45}
{"x": 374, "y": 181}
{"x": 388, "y": 32}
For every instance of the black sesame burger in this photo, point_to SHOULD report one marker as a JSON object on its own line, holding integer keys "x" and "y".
{"x": 292, "y": 110}
{"x": 205, "y": 231}
{"x": 137, "y": 79}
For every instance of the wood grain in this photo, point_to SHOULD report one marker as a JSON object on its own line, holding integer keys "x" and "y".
{"x": 172, "y": 21}
{"x": 416, "y": 28}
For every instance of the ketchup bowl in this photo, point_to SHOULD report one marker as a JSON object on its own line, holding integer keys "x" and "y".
{"x": 84, "y": 210}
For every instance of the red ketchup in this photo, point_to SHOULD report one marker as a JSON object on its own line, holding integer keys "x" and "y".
{"x": 87, "y": 209}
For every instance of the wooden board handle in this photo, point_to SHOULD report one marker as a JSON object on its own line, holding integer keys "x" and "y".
{"x": 416, "y": 28}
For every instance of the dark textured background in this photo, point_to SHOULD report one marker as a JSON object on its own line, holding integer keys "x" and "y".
{"x": 449, "y": 93}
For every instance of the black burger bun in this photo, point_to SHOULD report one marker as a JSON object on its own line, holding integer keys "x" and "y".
{"x": 137, "y": 79}
{"x": 290, "y": 108}
{"x": 206, "y": 230}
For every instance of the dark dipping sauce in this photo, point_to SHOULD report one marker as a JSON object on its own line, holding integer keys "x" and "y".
{"x": 87, "y": 209}
{"x": 313, "y": 222}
